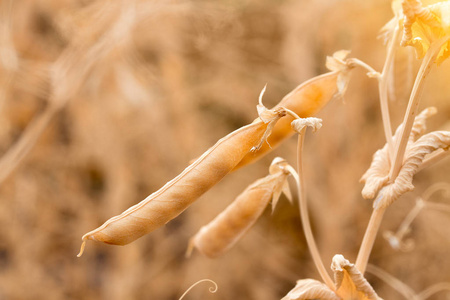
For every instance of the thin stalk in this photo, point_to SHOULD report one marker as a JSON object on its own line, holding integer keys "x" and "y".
{"x": 411, "y": 111}
{"x": 383, "y": 91}
{"x": 303, "y": 206}
{"x": 383, "y": 87}
{"x": 394, "y": 282}
{"x": 353, "y": 62}
{"x": 443, "y": 207}
{"x": 405, "y": 225}
{"x": 435, "y": 288}
{"x": 369, "y": 238}
{"x": 397, "y": 160}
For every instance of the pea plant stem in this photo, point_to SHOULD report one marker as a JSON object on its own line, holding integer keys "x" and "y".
{"x": 411, "y": 111}
{"x": 303, "y": 206}
{"x": 369, "y": 238}
{"x": 383, "y": 91}
{"x": 399, "y": 152}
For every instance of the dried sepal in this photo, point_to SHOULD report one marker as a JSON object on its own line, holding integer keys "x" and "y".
{"x": 415, "y": 154}
{"x": 350, "y": 283}
{"x": 299, "y": 124}
{"x": 229, "y": 226}
{"x": 176, "y": 195}
{"x": 278, "y": 166}
{"x": 377, "y": 176}
{"x": 310, "y": 289}
{"x": 305, "y": 100}
{"x": 269, "y": 117}
{"x": 423, "y": 26}
{"x": 337, "y": 63}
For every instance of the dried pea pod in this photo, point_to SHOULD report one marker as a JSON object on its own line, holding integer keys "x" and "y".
{"x": 230, "y": 225}
{"x": 306, "y": 100}
{"x": 176, "y": 195}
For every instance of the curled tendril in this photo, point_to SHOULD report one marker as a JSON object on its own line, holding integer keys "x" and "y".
{"x": 212, "y": 289}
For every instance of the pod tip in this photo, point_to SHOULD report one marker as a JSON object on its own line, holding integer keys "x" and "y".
{"x": 83, "y": 245}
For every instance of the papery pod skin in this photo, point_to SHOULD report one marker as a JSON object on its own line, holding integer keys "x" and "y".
{"x": 230, "y": 225}
{"x": 305, "y": 100}
{"x": 176, "y": 195}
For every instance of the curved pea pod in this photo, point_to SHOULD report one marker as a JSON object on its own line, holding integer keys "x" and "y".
{"x": 229, "y": 226}
{"x": 306, "y": 100}
{"x": 176, "y": 195}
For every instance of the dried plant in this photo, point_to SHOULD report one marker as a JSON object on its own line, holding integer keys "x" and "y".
{"x": 387, "y": 179}
{"x": 102, "y": 102}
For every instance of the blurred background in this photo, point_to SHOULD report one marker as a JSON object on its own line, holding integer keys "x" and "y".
{"x": 103, "y": 102}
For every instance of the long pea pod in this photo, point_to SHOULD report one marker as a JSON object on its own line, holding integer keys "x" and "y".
{"x": 235, "y": 150}
{"x": 176, "y": 195}
{"x": 217, "y": 237}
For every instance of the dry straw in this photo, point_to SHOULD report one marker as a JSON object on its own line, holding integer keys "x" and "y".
{"x": 66, "y": 76}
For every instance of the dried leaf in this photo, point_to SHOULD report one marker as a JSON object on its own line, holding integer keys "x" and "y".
{"x": 310, "y": 289}
{"x": 425, "y": 25}
{"x": 377, "y": 176}
{"x": 350, "y": 283}
{"x": 415, "y": 154}
{"x": 229, "y": 226}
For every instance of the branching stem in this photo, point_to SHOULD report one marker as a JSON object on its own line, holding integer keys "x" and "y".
{"x": 412, "y": 109}
{"x": 401, "y": 143}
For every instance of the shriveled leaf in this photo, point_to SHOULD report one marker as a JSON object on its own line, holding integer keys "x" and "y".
{"x": 415, "y": 154}
{"x": 308, "y": 289}
{"x": 299, "y": 124}
{"x": 377, "y": 176}
{"x": 350, "y": 283}
{"x": 424, "y": 26}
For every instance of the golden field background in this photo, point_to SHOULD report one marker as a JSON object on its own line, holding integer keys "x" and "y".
{"x": 117, "y": 97}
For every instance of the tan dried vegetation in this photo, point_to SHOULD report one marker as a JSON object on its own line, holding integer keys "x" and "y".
{"x": 102, "y": 103}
